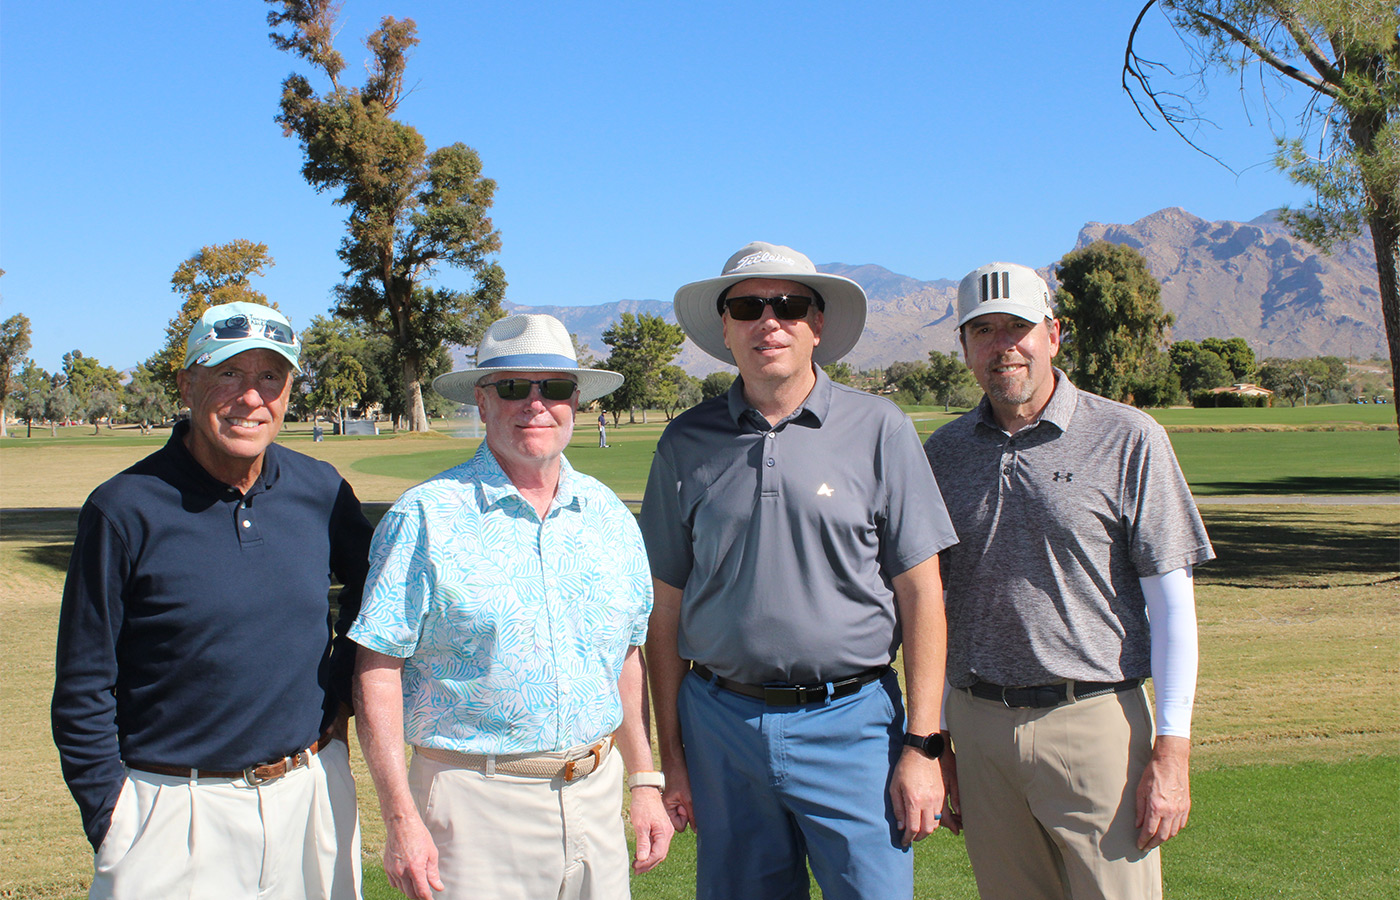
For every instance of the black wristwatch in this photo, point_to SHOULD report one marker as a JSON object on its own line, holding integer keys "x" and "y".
{"x": 931, "y": 746}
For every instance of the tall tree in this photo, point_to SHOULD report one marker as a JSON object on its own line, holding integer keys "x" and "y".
{"x": 146, "y": 400}
{"x": 409, "y": 210}
{"x": 30, "y": 394}
{"x": 95, "y": 388}
{"x": 334, "y": 371}
{"x": 950, "y": 380}
{"x": 641, "y": 347}
{"x": 1293, "y": 379}
{"x": 716, "y": 383}
{"x": 1198, "y": 367}
{"x": 59, "y": 405}
{"x": 1346, "y": 145}
{"x": 1235, "y": 353}
{"x": 1112, "y": 309}
{"x": 218, "y": 273}
{"x": 14, "y": 349}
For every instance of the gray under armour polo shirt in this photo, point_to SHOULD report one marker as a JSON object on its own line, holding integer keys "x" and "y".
{"x": 1057, "y": 525}
{"x": 785, "y": 538}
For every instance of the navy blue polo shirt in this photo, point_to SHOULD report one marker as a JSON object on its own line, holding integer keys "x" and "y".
{"x": 195, "y": 627}
{"x": 785, "y": 537}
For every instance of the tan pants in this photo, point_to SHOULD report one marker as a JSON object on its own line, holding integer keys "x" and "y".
{"x": 1049, "y": 797}
{"x": 511, "y": 837}
{"x": 292, "y": 838}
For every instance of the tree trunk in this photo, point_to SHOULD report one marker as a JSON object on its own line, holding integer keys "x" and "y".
{"x": 1385, "y": 236}
{"x": 416, "y": 416}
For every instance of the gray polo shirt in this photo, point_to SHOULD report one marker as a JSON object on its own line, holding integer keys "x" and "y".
{"x": 1058, "y": 523}
{"x": 785, "y": 538}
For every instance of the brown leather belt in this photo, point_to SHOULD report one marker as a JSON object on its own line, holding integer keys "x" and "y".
{"x": 568, "y": 765}
{"x": 255, "y": 774}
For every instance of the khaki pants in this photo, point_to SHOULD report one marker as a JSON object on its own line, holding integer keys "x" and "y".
{"x": 512, "y": 837}
{"x": 291, "y": 838}
{"x": 1049, "y": 797}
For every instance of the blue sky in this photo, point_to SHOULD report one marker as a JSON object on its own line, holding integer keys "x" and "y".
{"x": 635, "y": 145}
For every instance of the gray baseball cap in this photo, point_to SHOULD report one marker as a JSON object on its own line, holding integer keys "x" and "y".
{"x": 1004, "y": 288}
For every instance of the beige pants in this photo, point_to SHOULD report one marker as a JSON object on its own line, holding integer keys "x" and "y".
{"x": 1049, "y": 797}
{"x": 509, "y": 837}
{"x": 291, "y": 838}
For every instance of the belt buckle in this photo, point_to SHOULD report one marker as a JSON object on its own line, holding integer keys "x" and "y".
{"x": 250, "y": 775}
{"x": 1004, "y": 702}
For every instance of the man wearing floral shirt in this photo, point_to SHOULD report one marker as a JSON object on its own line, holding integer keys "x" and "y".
{"x": 501, "y": 636}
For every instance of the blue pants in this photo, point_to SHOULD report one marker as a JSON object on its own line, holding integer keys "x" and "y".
{"x": 778, "y": 787}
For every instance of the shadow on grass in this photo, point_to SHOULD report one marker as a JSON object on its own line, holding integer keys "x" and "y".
{"x": 47, "y": 534}
{"x": 1282, "y": 545}
{"x": 1302, "y": 484}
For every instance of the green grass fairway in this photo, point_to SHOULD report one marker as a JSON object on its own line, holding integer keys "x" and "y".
{"x": 1297, "y": 725}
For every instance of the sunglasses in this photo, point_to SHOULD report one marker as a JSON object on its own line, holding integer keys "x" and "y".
{"x": 240, "y": 326}
{"x": 519, "y": 388}
{"x": 748, "y": 309}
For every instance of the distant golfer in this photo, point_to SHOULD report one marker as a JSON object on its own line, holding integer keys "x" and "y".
{"x": 198, "y": 709}
{"x": 1072, "y": 584}
{"x": 602, "y": 430}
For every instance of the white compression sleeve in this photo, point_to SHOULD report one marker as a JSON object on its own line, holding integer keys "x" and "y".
{"x": 1171, "y": 610}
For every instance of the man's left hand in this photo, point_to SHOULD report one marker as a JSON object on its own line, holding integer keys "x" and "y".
{"x": 916, "y": 788}
{"x": 1164, "y": 793}
{"x": 652, "y": 827}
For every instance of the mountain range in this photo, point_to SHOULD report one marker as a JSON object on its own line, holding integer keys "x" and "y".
{"x": 1221, "y": 279}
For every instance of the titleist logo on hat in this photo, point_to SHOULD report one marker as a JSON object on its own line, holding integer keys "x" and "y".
{"x": 762, "y": 256}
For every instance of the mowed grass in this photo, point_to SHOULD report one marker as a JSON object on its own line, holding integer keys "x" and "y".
{"x": 1297, "y": 731}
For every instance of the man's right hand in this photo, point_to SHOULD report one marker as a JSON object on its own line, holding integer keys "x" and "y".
{"x": 676, "y": 797}
{"x": 411, "y": 859}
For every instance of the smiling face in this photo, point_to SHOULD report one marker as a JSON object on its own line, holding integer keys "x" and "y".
{"x": 530, "y": 434}
{"x": 1011, "y": 359}
{"x": 236, "y": 411}
{"x": 770, "y": 349}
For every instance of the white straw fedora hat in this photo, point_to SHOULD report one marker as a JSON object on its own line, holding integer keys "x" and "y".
{"x": 528, "y": 343}
{"x": 698, "y": 312}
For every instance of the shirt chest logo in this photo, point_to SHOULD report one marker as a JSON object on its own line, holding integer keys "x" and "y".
{"x": 824, "y": 490}
{"x": 1064, "y": 476}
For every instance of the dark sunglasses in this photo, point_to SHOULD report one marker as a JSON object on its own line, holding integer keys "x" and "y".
{"x": 235, "y": 327}
{"x": 519, "y": 388}
{"x": 747, "y": 309}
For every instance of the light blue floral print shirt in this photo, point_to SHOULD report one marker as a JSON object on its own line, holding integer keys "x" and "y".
{"x": 512, "y": 629}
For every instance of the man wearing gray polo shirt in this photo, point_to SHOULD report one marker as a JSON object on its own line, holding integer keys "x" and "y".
{"x": 793, "y": 529}
{"x": 1071, "y": 586}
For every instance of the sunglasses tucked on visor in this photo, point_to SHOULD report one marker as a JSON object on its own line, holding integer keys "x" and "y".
{"x": 749, "y": 309}
{"x": 241, "y": 326}
{"x": 519, "y": 388}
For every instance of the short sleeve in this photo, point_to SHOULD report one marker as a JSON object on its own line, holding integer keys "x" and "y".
{"x": 664, "y": 530}
{"x": 917, "y": 525}
{"x": 398, "y": 586}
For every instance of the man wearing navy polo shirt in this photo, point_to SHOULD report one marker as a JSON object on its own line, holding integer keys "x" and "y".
{"x": 793, "y": 530}
{"x": 198, "y": 709}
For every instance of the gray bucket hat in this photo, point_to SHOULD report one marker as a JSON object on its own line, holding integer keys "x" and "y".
{"x": 526, "y": 343}
{"x": 844, "y": 315}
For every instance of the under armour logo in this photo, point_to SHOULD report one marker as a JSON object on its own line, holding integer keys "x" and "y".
{"x": 1064, "y": 476}
{"x": 824, "y": 491}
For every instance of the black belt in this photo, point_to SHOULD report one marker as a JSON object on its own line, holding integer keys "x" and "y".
{"x": 1045, "y": 695}
{"x": 793, "y": 694}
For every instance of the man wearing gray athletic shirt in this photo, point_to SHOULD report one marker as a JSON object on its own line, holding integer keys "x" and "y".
{"x": 1071, "y": 585}
{"x": 793, "y": 529}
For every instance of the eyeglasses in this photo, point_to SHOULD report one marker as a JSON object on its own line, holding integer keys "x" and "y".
{"x": 241, "y": 326}
{"x": 519, "y": 388}
{"x": 747, "y": 309}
